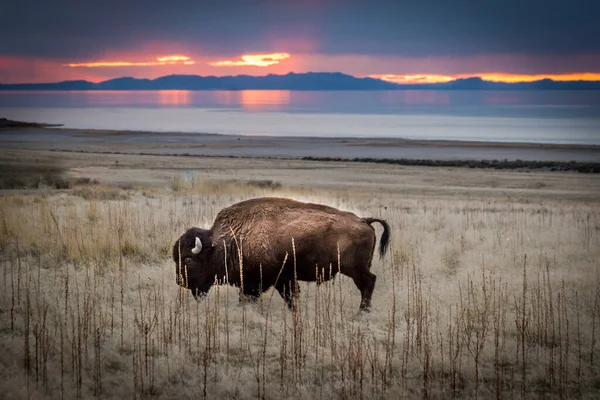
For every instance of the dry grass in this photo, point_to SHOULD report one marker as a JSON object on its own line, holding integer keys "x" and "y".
{"x": 36, "y": 175}
{"x": 477, "y": 298}
{"x": 193, "y": 182}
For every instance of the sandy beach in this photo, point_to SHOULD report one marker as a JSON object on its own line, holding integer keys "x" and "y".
{"x": 205, "y": 144}
{"x": 120, "y": 158}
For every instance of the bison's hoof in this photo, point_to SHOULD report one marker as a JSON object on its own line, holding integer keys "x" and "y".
{"x": 249, "y": 298}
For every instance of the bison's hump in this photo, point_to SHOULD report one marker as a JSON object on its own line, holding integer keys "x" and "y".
{"x": 270, "y": 217}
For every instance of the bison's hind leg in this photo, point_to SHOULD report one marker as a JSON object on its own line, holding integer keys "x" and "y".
{"x": 366, "y": 284}
{"x": 358, "y": 267}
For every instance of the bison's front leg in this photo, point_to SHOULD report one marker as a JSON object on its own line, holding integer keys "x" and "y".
{"x": 248, "y": 297}
{"x": 198, "y": 295}
{"x": 250, "y": 294}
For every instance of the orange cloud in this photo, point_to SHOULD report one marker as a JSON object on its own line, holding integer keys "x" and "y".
{"x": 490, "y": 77}
{"x": 166, "y": 60}
{"x": 511, "y": 78}
{"x": 255, "y": 60}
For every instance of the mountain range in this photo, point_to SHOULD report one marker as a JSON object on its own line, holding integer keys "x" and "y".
{"x": 293, "y": 81}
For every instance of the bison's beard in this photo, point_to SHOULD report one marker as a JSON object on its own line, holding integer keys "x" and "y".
{"x": 197, "y": 290}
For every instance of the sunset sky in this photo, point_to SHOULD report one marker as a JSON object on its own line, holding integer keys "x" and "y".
{"x": 398, "y": 40}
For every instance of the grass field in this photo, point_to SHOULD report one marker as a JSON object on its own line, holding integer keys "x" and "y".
{"x": 482, "y": 295}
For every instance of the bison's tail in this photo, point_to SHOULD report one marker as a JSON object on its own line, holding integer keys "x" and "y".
{"x": 385, "y": 236}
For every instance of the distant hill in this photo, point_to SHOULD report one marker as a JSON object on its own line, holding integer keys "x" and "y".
{"x": 292, "y": 81}
{"x": 9, "y": 123}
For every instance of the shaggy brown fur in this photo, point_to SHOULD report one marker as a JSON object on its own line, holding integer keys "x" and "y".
{"x": 283, "y": 240}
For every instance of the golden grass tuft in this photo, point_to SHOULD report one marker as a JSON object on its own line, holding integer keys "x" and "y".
{"x": 477, "y": 298}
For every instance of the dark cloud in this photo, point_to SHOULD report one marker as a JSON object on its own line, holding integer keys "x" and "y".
{"x": 83, "y": 28}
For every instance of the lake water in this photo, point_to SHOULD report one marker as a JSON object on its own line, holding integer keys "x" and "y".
{"x": 528, "y": 116}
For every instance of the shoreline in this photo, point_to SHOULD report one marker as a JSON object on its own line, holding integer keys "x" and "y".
{"x": 351, "y": 140}
{"x": 399, "y": 151}
{"x": 364, "y": 141}
{"x": 25, "y": 171}
{"x": 380, "y": 150}
{"x": 547, "y": 166}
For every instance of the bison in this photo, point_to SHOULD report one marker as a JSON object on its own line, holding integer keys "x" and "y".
{"x": 278, "y": 242}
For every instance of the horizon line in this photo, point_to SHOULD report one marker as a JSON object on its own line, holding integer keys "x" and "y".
{"x": 394, "y": 79}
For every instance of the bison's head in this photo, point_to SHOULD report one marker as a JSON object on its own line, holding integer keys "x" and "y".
{"x": 191, "y": 254}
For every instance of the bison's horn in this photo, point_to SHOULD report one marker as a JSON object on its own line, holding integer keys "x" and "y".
{"x": 198, "y": 246}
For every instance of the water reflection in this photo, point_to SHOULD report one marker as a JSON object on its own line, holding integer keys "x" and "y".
{"x": 174, "y": 97}
{"x": 542, "y": 104}
{"x": 506, "y": 99}
{"x": 426, "y": 97}
{"x": 114, "y": 98}
{"x": 257, "y": 98}
{"x": 225, "y": 97}
{"x": 254, "y": 100}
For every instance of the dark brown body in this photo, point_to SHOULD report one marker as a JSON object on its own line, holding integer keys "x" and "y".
{"x": 283, "y": 241}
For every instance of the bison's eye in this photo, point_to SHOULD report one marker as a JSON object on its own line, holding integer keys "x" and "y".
{"x": 187, "y": 260}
